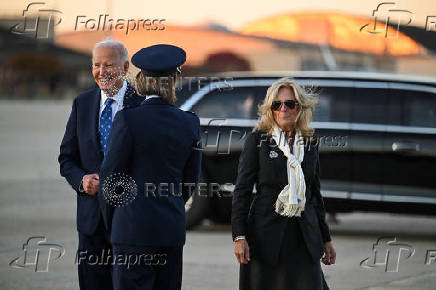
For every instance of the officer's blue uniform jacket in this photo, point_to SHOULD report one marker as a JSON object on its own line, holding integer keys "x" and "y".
{"x": 153, "y": 144}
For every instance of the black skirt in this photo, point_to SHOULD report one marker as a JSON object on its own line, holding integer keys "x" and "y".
{"x": 294, "y": 271}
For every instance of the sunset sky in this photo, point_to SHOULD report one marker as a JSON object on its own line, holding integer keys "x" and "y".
{"x": 230, "y": 13}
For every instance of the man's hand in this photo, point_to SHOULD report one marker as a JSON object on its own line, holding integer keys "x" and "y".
{"x": 90, "y": 183}
{"x": 329, "y": 254}
{"x": 242, "y": 251}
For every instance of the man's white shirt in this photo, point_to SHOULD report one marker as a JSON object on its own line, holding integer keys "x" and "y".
{"x": 118, "y": 101}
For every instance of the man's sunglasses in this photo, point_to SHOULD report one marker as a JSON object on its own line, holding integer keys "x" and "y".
{"x": 276, "y": 105}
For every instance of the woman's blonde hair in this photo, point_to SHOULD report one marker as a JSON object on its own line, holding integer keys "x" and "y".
{"x": 164, "y": 87}
{"x": 306, "y": 101}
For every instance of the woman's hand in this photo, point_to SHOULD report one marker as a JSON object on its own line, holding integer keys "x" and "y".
{"x": 242, "y": 251}
{"x": 329, "y": 254}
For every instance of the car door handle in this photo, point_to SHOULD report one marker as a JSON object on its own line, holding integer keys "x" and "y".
{"x": 405, "y": 147}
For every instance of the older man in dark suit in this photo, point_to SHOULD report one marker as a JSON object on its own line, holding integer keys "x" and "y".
{"x": 81, "y": 154}
{"x": 152, "y": 162}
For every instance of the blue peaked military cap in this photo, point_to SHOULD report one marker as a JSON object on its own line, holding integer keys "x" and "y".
{"x": 159, "y": 60}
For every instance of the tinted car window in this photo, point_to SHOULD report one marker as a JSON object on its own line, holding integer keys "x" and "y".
{"x": 238, "y": 102}
{"x": 422, "y": 109}
{"x": 184, "y": 90}
{"x": 412, "y": 108}
{"x": 396, "y": 110}
{"x": 369, "y": 106}
{"x": 334, "y": 105}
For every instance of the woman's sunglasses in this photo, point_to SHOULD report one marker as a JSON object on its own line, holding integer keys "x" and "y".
{"x": 276, "y": 105}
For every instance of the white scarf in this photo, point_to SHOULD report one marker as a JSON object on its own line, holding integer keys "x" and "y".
{"x": 292, "y": 198}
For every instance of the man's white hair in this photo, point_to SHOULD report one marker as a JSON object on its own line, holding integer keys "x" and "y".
{"x": 124, "y": 56}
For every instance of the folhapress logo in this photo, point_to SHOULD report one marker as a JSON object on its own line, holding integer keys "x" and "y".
{"x": 388, "y": 253}
{"x": 37, "y": 20}
{"x": 38, "y": 254}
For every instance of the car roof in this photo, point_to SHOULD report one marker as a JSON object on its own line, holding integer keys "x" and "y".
{"x": 342, "y": 75}
{"x": 375, "y": 77}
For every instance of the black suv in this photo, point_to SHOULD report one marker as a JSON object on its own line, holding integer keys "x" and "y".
{"x": 377, "y": 135}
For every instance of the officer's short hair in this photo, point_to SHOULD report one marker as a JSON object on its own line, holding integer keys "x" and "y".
{"x": 164, "y": 87}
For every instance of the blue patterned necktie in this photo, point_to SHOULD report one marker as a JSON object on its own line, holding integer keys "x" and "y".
{"x": 105, "y": 124}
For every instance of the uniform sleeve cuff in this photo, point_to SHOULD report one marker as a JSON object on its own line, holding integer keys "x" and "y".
{"x": 239, "y": 238}
{"x": 81, "y": 190}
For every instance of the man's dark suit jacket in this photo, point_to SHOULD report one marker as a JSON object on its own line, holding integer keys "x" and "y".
{"x": 254, "y": 216}
{"x": 155, "y": 143}
{"x": 80, "y": 151}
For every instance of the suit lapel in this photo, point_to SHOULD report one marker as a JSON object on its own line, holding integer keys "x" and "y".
{"x": 308, "y": 155}
{"x": 95, "y": 111}
{"x": 303, "y": 163}
{"x": 131, "y": 98}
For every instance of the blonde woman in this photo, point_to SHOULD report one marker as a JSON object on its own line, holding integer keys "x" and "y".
{"x": 280, "y": 232}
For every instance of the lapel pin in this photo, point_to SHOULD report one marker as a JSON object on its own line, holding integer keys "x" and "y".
{"x": 273, "y": 154}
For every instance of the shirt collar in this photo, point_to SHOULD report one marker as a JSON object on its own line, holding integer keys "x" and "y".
{"x": 152, "y": 96}
{"x": 118, "y": 97}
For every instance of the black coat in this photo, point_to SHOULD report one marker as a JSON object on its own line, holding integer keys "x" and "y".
{"x": 80, "y": 151}
{"x": 254, "y": 216}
